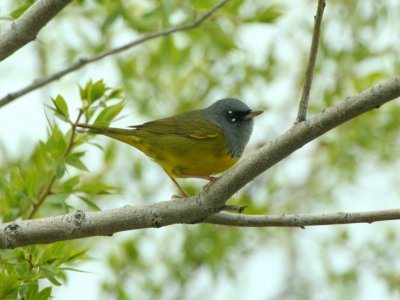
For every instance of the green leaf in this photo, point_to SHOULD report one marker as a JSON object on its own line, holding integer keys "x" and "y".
{"x": 83, "y": 91}
{"x": 44, "y": 294}
{"x": 61, "y": 108}
{"x": 147, "y": 22}
{"x": 110, "y": 19}
{"x": 203, "y": 4}
{"x": 75, "y": 161}
{"x": 69, "y": 185}
{"x": 362, "y": 82}
{"x": 97, "y": 90}
{"x": 76, "y": 270}
{"x": 98, "y": 146}
{"x": 60, "y": 169}
{"x": 50, "y": 274}
{"x": 32, "y": 291}
{"x": 77, "y": 253}
{"x": 90, "y": 203}
{"x": 223, "y": 41}
{"x": 56, "y": 143}
{"x": 109, "y": 113}
{"x": 15, "y": 14}
{"x": 9, "y": 283}
{"x": 32, "y": 182}
{"x": 89, "y": 113}
{"x": 92, "y": 92}
{"x": 115, "y": 93}
{"x": 95, "y": 188}
{"x": 269, "y": 15}
{"x": 57, "y": 199}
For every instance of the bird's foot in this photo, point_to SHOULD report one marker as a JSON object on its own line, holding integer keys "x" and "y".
{"x": 238, "y": 209}
{"x": 211, "y": 180}
{"x": 176, "y": 197}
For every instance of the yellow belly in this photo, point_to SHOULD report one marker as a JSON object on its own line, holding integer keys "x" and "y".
{"x": 182, "y": 155}
{"x": 198, "y": 163}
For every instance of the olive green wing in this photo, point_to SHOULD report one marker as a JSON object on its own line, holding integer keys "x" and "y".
{"x": 191, "y": 124}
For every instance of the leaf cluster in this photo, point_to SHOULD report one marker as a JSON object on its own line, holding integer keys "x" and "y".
{"x": 24, "y": 271}
{"x": 43, "y": 183}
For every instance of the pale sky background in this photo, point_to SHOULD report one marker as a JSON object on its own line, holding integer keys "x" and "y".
{"x": 23, "y": 122}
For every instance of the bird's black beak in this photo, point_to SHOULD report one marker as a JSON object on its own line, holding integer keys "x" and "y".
{"x": 251, "y": 114}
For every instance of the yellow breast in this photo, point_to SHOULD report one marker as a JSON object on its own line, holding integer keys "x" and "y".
{"x": 180, "y": 156}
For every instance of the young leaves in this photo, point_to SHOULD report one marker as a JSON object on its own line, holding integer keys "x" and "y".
{"x": 93, "y": 91}
{"x": 60, "y": 108}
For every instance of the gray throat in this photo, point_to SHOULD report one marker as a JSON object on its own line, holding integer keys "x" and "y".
{"x": 237, "y": 134}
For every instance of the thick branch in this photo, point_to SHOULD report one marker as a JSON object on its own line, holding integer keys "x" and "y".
{"x": 230, "y": 219}
{"x": 27, "y": 26}
{"x": 38, "y": 83}
{"x": 196, "y": 209}
{"x": 80, "y": 224}
{"x": 302, "y": 113}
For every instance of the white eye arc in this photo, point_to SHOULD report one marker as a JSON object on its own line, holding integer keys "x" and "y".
{"x": 230, "y": 112}
{"x": 233, "y": 120}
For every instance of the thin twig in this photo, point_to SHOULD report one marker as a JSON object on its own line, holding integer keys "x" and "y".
{"x": 47, "y": 190}
{"x": 302, "y": 113}
{"x": 84, "y": 61}
{"x": 241, "y": 220}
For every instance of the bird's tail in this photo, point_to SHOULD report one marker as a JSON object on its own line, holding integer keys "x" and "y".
{"x": 125, "y": 135}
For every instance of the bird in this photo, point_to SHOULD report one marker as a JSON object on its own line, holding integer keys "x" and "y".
{"x": 194, "y": 144}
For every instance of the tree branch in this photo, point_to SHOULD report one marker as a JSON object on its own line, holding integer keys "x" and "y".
{"x": 242, "y": 220}
{"x": 26, "y": 27}
{"x": 79, "y": 224}
{"x": 198, "y": 208}
{"x": 302, "y": 113}
{"x": 38, "y": 83}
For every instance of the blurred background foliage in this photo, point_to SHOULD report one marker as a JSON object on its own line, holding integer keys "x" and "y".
{"x": 251, "y": 49}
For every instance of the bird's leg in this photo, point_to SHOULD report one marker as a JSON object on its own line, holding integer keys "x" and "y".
{"x": 205, "y": 177}
{"x": 211, "y": 179}
{"x": 183, "y": 193}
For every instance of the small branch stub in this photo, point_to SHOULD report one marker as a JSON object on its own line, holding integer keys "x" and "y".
{"x": 11, "y": 232}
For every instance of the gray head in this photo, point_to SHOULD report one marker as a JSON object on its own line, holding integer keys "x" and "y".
{"x": 236, "y": 119}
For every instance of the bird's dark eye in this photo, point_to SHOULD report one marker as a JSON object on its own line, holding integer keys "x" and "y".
{"x": 232, "y": 116}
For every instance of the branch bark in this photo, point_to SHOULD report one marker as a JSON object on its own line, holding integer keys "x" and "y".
{"x": 79, "y": 224}
{"x": 303, "y": 220}
{"x": 199, "y": 208}
{"x": 28, "y": 25}
{"x": 38, "y": 83}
